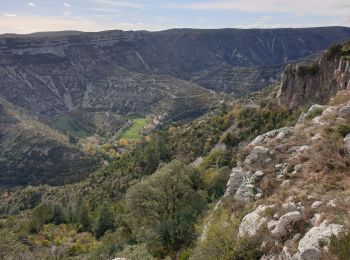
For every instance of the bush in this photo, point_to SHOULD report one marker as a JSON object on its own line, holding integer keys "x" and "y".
{"x": 314, "y": 113}
{"x": 340, "y": 246}
{"x": 136, "y": 252}
{"x": 311, "y": 69}
{"x": 343, "y": 129}
{"x": 164, "y": 207}
{"x": 222, "y": 243}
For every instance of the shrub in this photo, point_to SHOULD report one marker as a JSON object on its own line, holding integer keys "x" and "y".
{"x": 310, "y": 69}
{"x": 340, "y": 246}
{"x": 314, "y": 113}
{"x": 222, "y": 242}
{"x": 341, "y": 97}
{"x": 343, "y": 129}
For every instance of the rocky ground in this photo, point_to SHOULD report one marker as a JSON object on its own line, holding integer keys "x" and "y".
{"x": 296, "y": 181}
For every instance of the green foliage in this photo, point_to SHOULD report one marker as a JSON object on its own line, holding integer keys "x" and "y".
{"x": 316, "y": 112}
{"x": 222, "y": 242}
{"x": 136, "y": 252}
{"x": 335, "y": 50}
{"x": 167, "y": 205}
{"x": 309, "y": 69}
{"x": 105, "y": 220}
{"x": 72, "y": 139}
{"x": 340, "y": 246}
{"x": 46, "y": 213}
{"x": 343, "y": 129}
{"x": 253, "y": 122}
{"x": 83, "y": 216}
{"x": 133, "y": 133}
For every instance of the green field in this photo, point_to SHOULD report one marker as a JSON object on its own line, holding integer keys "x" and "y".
{"x": 133, "y": 132}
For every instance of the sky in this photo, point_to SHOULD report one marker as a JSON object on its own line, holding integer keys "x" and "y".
{"x": 22, "y": 16}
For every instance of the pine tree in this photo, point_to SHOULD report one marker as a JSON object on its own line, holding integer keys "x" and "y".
{"x": 105, "y": 220}
{"x": 83, "y": 218}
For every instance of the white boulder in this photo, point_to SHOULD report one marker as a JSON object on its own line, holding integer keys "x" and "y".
{"x": 253, "y": 223}
{"x": 279, "y": 228}
{"x": 309, "y": 246}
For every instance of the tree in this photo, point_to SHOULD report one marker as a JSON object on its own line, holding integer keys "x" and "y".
{"x": 105, "y": 220}
{"x": 59, "y": 215}
{"x": 83, "y": 217}
{"x": 71, "y": 138}
{"x": 166, "y": 206}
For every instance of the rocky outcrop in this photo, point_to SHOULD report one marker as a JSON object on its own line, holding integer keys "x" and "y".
{"x": 253, "y": 223}
{"x": 310, "y": 245}
{"x": 279, "y": 228}
{"x": 304, "y": 84}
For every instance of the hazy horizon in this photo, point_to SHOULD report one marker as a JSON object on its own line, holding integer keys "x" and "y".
{"x": 22, "y": 16}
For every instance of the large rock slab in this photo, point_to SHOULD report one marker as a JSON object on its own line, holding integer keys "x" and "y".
{"x": 279, "y": 228}
{"x": 253, "y": 223}
{"x": 309, "y": 246}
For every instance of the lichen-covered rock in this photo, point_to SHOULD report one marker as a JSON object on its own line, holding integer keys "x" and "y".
{"x": 316, "y": 204}
{"x": 309, "y": 246}
{"x": 347, "y": 142}
{"x": 277, "y": 133}
{"x": 237, "y": 176}
{"x": 279, "y": 228}
{"x": 313, "y": 109}
{"x": 254, "y": 222}
{"x": 344, "y": 112}
{"x": 257, "y": 156}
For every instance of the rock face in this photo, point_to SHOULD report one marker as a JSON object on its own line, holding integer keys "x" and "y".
{"x": 253, "y": 223}
{"x": 304, "y": 84}
{"x": 48, "y": 74}
{"x": 309, "y": 246}
{"x": 279, "y": 228}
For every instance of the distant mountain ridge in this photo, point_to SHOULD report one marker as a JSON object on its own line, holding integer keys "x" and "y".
{"x": 168, "y": 75}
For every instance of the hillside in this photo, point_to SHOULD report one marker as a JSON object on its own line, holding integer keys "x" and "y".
{"x": 55, "y": 73}
{"x": 33, "y": 153}
{"x": 262, "y": 177}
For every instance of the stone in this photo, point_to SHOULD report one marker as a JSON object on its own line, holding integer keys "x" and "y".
{"x": 285, "y": 183}
{"x": 332, "y": 203}
{"x": 347, "y": 142}
{"x": 258, "y": 174}
{"x": 344, "y": 112}
{"x": 331, "y": 110}
{"x": 236, "y": 178}
{"x": 290, "y": 205}
{"x": 245, "y": 192}
{"x": 297, "y": 169}
{"x": 257, "y": 156}
{"x": 316, "y": 220}
{"x": 286, "y": 253}
{"x": 280, "y": 134}
{"x": 313, "y": 109}
{"x": 196, "y": 163}
{"x": 316, "y": 204}
{"x": 279, "y": 228}
{"x": 253, "y": 223}
{"x": 309, "y": 246}
{"x": 317, "y": 137}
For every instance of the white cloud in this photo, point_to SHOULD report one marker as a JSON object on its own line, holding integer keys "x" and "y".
{"x": 311, "y": 7}
{"x": 31, "y": 4}
{"x": 67, "y": 5}
{"x": 10, "y": 15}
{"x": 120, "y": 4}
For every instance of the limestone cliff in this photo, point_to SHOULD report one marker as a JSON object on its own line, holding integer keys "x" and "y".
{"x": 305, "y": 84}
